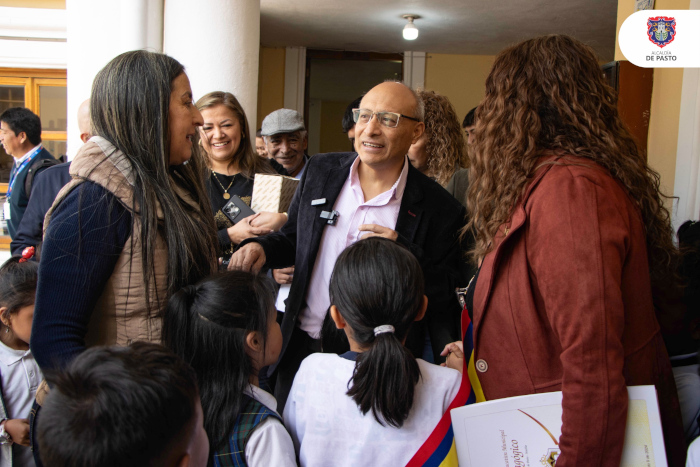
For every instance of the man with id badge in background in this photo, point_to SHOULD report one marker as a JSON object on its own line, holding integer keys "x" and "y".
{"x": 20, "y": 135}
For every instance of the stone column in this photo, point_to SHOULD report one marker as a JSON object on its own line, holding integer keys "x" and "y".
{"x": 219, "y": 45}
{"x": 97, "y": 32}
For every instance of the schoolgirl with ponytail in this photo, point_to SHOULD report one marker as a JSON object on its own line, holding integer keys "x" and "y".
{"x": 225, "y": 328}
{"x": 376, "y": 404}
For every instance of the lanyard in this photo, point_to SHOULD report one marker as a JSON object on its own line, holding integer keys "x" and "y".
{"x": 26, "y": 162}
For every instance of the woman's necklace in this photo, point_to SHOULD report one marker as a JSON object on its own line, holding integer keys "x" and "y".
{"x": 226, "y": 195}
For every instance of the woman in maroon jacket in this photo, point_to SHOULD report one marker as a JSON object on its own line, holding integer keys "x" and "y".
{"x": 571, "y": 237}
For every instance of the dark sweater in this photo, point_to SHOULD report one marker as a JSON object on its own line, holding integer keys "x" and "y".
{"x": 19, "y": 197}
{"x": 85, "y": 237}
{"x": 46, "y": 186}
{"x": 238, "y": 185}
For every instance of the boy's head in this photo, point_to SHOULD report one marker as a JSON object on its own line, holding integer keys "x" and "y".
{"x": 114, "y": 406}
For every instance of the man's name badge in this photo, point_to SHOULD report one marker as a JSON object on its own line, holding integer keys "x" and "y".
{"x": 316, "y": 202}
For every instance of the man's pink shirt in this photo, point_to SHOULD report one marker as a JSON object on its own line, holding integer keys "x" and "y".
{"x": 354, "y": 211}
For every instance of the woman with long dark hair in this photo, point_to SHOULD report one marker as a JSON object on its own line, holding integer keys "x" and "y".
{"x": 134, "y": 225}
{"x": 572, "y": 236}
{"x": 233, "y": 163}
{"x": 225, "y": 327}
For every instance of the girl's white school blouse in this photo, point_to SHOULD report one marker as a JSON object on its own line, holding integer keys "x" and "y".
{"x": 269, "y": 444}
{"x": 328, "y": 428}
{"x": 20, "y": 379}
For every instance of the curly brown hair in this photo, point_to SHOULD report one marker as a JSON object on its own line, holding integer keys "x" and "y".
{"x": 446, "y": 147}
{"x": 548, "y": 95}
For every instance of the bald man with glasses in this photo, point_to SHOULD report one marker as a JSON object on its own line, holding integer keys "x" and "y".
{"x": 344, "y": 197}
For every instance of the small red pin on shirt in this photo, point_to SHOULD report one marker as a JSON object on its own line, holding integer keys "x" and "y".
{"x": 27, "y": 254}
{"x": 411, "y": 214}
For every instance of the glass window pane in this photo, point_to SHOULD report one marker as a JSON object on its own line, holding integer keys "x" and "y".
{"x": 11, "y": 96}
{"x": 6, "y": 162}
{"x": 52, "y": 102}
{"x": 56, "y": 148}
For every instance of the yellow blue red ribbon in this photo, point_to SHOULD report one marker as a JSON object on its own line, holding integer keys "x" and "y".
{"x": 439, "y": 449}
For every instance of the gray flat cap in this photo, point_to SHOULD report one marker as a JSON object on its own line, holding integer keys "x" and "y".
{"x": 282, "y": 121}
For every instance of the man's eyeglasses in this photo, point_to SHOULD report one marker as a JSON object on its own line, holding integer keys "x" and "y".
{"x": 388, "y": 119}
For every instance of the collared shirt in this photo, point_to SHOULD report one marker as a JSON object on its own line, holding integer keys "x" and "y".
{"x": 18, "y": 162}
{"x": 303, "y": 168}
{"x": 20, "y": 379}
{"x": 269, "y": 444}
{"x": 354, "y": 211}
{"x": 36, "y": 148}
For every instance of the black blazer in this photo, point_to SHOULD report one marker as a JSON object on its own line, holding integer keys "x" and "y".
{"x": 428, "y": 224}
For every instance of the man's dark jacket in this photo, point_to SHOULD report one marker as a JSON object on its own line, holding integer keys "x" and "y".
{"x": 20, "y": 198}
{"x": 45, "y": 187}
{"x": 428, "y": 225}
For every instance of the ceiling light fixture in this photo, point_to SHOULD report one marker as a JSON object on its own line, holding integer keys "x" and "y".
{"x": 410, "y": 31}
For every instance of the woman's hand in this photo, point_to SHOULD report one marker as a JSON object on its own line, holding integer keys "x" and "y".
{"x": 18, "y": 429}
{"x": 284, "y": 275}
{"x": 455, "y": 356}
{"x": 243, "y": 229}
{"x": 270, "y": 220}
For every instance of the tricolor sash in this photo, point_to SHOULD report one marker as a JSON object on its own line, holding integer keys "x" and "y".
{"x": 439, "y": 449}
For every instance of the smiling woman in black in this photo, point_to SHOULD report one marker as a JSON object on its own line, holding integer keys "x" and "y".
{"x": 227, "y": 140}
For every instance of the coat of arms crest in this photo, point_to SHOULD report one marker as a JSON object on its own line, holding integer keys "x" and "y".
{"x": 661, "y": 30}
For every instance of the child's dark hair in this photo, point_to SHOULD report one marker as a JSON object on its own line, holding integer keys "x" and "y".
{"x": 206, "y": 324}
{"x": 348, "y": 121}
{"x": 115, "y": 406}
{"x": 377, "y": 282}
{"x": 469, "y": 118}
{"x": 17, "y": 284}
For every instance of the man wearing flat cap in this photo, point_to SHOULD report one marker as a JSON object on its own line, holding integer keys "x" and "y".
{"x": 286, "y": 140}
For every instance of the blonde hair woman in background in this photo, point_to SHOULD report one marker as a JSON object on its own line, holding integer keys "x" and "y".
{"x": 441, "y": 151}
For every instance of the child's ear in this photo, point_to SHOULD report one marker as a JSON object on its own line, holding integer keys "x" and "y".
{"x": 337, "y": 319}
{"x": 423, "y": 307}
{"x": 3, "y": 316}
{"x": 253, "y": 341}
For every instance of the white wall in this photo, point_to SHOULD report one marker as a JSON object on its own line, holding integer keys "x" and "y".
{"x": 98, "y": 31}
{"x": 218, "y": 42}
{"x": 687, "y": 180}
{"x": 32, "y": 38}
